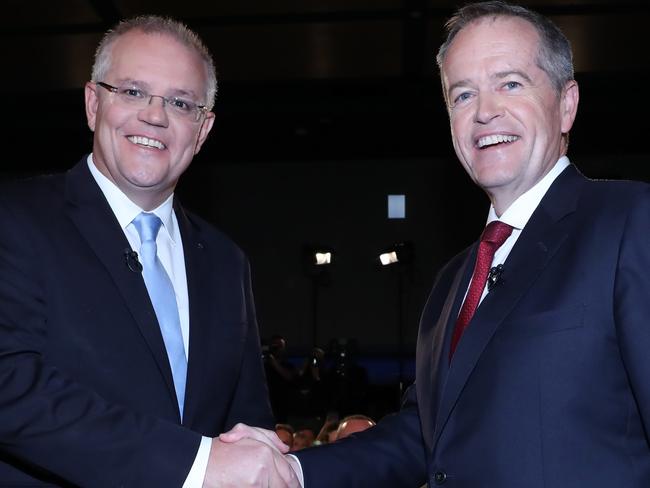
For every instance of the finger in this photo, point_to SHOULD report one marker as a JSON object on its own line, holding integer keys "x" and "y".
{"x": 284, "y": 473}
{"x": 242, "y": 431}
{"x": 275, "y": 440}
{"x": 238, "y": 432}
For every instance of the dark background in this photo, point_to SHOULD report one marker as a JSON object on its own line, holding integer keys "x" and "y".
{"x": 324, "y": 108}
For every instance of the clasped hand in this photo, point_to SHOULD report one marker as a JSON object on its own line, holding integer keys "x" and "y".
{"x": 249, "y": 457}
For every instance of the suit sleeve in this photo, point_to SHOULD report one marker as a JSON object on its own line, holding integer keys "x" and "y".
{"x": 632, "y": 303}
{"x": 250, "y": 403}
{"x": 390, "y": 455}
{"x": 52, "y": 427}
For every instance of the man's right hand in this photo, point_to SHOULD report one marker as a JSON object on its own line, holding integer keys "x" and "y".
{"x": 248, "y": 463}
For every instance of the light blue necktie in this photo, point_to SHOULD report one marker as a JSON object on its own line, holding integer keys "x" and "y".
{"x": 163, "y": 299}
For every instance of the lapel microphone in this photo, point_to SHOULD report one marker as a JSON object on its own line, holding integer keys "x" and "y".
{"x": 494, "y": 276}
{"x": 131, "y": 261}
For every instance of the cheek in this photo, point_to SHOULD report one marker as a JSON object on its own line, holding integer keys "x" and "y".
{"x": 109, "y": 123}
{"x": 184, "y": 135}
{"x": 455, "y": 131}
{"x": 538, "y": 117}
{"x": 189, "y": 139}
{"x": 460, "y": 140}
{"x": 461, "y": 127}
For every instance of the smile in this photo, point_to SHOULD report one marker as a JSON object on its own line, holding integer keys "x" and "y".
{"x": 495, "y": 139}
{"x": 146, "y": 142}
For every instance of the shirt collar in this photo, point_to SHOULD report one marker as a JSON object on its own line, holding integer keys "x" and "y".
{"x": 124, "y": 209}
{"x": 520, "y": 211}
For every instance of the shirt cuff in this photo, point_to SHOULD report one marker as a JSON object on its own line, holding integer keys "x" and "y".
{"x": 197, "y": 474}
{"x": 298, "y": 469}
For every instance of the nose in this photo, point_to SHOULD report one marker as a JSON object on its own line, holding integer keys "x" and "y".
{"x": 488, "y": 107}
{"x": 154, "y": 112}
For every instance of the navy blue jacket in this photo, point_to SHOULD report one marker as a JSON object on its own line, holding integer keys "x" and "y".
{"x": 86, "y": 394}
{"x": 550, "y": 384}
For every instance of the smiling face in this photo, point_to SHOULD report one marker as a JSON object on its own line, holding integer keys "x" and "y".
{"x": 507, "y": 120}
{"x": 145, "y": 150}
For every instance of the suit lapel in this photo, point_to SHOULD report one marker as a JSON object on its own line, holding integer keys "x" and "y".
{"x": 543, "y": 235}
{"x": 88, "y": 209}
{"x": 195, "y": 269}
{"x": 215, "y": 301}
{"x": 434, "y": 343}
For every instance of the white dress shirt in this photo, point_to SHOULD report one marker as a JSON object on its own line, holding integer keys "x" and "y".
{"x": 170, "y": 253}
{"x": 519, "y": 212}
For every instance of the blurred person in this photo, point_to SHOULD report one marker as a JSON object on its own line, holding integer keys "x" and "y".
{"x": 346, "y": 381}
{"x": 532, "y": 358}
{"x": 128, "y": 337}
{"x": 281, "y": 378}
{"x": 285, "y": 433}
{"x": 302, "y": 439}
{"x": 327, "y": 432}
{"x": 311, "y": 400}
{"x": 353, "y": 424}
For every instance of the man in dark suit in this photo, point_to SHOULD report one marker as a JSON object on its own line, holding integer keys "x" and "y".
{"x": 128, "y": 337}
{"x": 533, "y": 355}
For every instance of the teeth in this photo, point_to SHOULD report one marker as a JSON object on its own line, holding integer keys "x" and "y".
{"x": 495, "y": 139}
{"x": 145, "y": 141}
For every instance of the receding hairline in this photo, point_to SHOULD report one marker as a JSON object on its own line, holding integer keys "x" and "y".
{"x": 492, "y": 19}
{"x": 554, "y": 54}
{"x": 164, "y": 27}
{"x": 488, "y": 18}
{"x": 136, "y": 31}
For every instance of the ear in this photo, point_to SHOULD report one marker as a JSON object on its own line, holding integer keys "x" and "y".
{"x": 569, "y": 105}
{"x": 92, "y": 102}
{"x": 206, "y": 126}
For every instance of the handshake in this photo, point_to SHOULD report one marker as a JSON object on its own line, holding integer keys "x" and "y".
{"x": 251, "y": 457}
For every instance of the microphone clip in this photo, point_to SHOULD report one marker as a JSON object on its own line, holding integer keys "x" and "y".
{"x": 131, "y": 260}
{"x": 494, "y": 276}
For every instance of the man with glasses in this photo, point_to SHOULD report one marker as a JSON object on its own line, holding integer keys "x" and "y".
{"x": 128, "y": 338}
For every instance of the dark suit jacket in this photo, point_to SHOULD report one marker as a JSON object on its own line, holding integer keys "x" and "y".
{"x": 550, "y": 384}
{"x": 86, "y": 394}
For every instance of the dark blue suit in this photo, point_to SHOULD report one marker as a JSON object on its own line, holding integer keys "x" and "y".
{"x": 86, "y": 394}
{"x": 550, "y": 384}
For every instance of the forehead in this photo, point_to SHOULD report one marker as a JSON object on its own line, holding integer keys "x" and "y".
{"x": 158, "y": 60}
{"x": 508, "y": 40}
{"x": 356, "y": 424}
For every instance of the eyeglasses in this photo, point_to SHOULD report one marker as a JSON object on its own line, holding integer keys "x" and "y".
{"x": 139, "y": 98}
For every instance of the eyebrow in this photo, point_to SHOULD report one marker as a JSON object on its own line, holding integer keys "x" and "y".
{"x": 499, "y": 76}
{"x": 131, "y": 81}
{"x": 504, "y": 74}
{"x": 176, "y": 92}
{"x": 458, "y": 84}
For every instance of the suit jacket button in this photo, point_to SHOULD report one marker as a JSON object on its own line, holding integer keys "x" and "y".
{"x": 440, "y": 477}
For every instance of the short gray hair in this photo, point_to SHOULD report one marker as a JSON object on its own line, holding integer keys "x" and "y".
{"x": 154, "y": 24}
{"x": 554, "y": 56}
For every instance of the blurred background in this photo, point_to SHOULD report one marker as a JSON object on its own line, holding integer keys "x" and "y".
{"x": 325, "y": 108}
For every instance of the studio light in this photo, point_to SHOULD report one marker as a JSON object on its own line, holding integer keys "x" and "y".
{"x": 400, "y": 253}
{"x": 387, "y": 258}
{"x": 317, "y": 257}
{"x": 318, "y": 262}
{"x": 322, "y": 258}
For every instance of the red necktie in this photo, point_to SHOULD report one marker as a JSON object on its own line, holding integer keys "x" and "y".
{"x": 493, "y": 236}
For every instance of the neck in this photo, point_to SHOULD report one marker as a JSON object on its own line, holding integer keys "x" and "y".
{"x": 148, "y": 202}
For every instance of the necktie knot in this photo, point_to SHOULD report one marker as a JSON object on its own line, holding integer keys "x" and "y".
{"x": 147, "y": 225}
{"x": 496, "y": 232}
